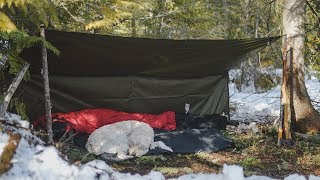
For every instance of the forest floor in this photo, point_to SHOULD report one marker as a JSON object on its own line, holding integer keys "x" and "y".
{"x": 258, "y": 154}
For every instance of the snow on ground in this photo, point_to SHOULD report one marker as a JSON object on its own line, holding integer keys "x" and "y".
{"x": 36, "y": 161}
{"x": 263, "y": 107}
{"x": 3, "y": 141}
{"x": 16, "y": 119}
{"x": 24, "y": 129}
{"x": 33, "y": 160}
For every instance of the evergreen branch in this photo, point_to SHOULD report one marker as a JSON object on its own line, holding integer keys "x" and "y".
{"x": 6, "y": 24}
{"x": 20, "y": 40}
{"x": 77, "y": 19}
{"x": 313, "y": 11}
{"x": 63, "y": 6}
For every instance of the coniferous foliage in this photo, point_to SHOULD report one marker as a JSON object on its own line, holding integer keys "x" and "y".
{"x": 18, "y": 18}
{"x": 313, "y": 35}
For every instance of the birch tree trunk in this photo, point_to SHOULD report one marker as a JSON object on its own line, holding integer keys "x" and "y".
{"x": 294, "y": 12}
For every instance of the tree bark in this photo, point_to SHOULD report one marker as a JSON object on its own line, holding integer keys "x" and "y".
{"x": 161, "y": 4}
{"x": 12, "y": 88}
{"x": 225, "y": 7}
{"x": 294, "y": 12}
{"x": 133, "y": 27}
{"x": 45, "y": 76}
{"x": 287, "y": 116}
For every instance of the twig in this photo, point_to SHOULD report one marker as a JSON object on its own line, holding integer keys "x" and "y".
{"x": 72, "y": 135}
{"x": 84, "y": 157}
{"x": 313, "y": 11}
{"x": 63, "y": 136}
{"x": 258, "y": 93}
{"x": 6, "y": 123}
{"x": 260, "y": 97}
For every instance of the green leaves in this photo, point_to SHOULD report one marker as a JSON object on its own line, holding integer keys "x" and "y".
{"x": 115, "y": 12}
{"x": 16, "y": 42}
{"x": 25, "y": 13}
{"x": 313, "y": 37}
{"x": 20, "y": 108}
{"x": 20, "y": 40}
{"x": 6, "y": 24}
{"x": 9, "y": 3}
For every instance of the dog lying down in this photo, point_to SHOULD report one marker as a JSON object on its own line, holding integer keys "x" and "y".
{"x": 125, "y": 139}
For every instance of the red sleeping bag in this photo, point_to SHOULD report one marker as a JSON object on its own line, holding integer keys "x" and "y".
{"x": 88, "y": 120}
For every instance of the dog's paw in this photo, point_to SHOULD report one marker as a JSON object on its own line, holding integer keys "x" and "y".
{"x": 160, "y": 145}
{"x": 124, "y": 156}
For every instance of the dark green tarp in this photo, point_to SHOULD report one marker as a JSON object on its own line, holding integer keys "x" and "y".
{"x": 136, "y": 74}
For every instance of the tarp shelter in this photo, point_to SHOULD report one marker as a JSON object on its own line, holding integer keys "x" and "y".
{"x": 135, "y": 74}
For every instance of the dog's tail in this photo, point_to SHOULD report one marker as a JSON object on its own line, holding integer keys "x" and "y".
{"x": 160, "y": 145}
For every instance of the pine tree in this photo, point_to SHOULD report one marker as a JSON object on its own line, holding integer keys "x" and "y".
{"x": 16, "y": 15}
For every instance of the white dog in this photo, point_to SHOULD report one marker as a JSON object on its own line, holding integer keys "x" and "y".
{"x": 126, "y": 139}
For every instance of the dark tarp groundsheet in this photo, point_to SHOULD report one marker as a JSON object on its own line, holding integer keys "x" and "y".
{"x": 135, "y": 74}
{"x": 192, "y": 140}
{"x": 187, "y": 141}
{"x": 180, "y": 141}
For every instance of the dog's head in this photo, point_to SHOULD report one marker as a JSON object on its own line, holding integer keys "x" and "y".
{"x": 138, "y": 150}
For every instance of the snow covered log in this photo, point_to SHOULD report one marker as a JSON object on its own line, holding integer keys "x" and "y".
{"x": 4, "y": 103}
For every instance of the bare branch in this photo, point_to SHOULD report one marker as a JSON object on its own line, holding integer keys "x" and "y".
{"x": 12, "y": 88}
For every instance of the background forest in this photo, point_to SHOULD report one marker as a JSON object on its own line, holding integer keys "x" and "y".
{"x": 168, "y": 19}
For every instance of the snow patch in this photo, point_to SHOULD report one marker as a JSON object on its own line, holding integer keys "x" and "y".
{"x": 232, "y": 172}
{"x": 295, "y": 177}
{"x": 201, "y": 177}
{"x": 4, "y": 139}
{"x": 16, "y": 119}
{"x": 250, "y": 106}
{"x": 258, "y": 178}
{"x": 312, "y": 177}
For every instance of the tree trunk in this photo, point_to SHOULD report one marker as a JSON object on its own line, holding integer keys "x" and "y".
{"x": 225, "y": 7}
{"x": 45, "y": 76}
{"x": 133, "y": 27}
{"x": 161, "y": 4}
{"x": 12, "y": 88}
{"x": 307, "y": 118}
{"x": 287, "y": 116}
